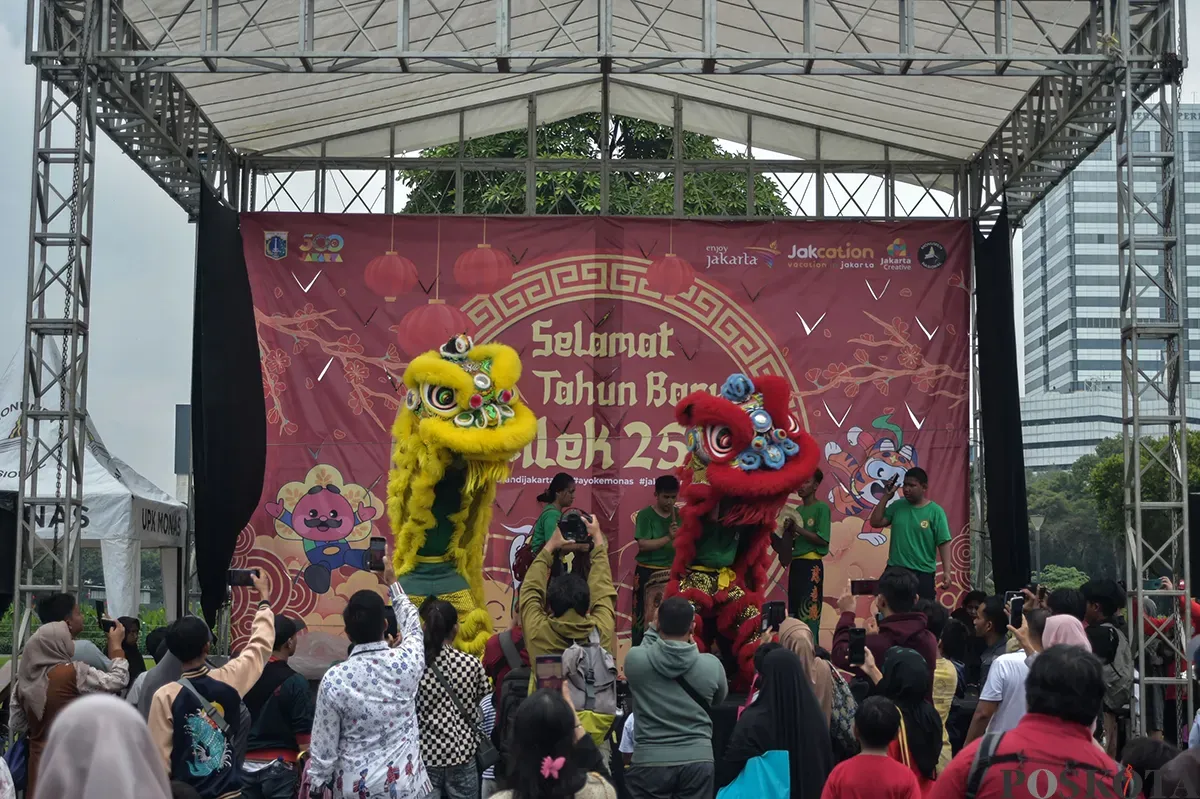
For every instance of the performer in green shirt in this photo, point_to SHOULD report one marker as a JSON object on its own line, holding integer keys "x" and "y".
{"x": 802, "y": 543}
{"x": 654, "y": 531}
{"x": 920, "y": 532}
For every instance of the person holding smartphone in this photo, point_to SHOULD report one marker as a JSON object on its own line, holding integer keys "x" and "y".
{"x": 920, "y": 532}
{"x": 803, "y": 544}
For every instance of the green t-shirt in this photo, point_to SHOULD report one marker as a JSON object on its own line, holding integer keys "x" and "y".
{"x": 544, "y": 527}
{"x": 447, "y": 500}
{"x": 650, "y": 526}
{"x": 718, "y": 544}
{"x": 916, "y": 534}
{"x": 816, "y": 520}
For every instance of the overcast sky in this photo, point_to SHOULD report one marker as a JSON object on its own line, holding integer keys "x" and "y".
{"x": 142, "y": 275}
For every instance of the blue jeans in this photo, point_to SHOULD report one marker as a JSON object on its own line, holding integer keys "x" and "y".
{"x": 454, "y": 782}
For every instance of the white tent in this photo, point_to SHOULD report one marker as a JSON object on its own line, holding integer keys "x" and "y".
{"x": 123, "y": 512}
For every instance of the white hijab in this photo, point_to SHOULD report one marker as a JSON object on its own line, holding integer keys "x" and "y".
{"x": 99, "y": 748}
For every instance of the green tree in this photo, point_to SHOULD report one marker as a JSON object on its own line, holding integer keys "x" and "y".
{"x": 631, "y": 192}
{"x": 1106, "y": 483}
{"x": 1054, "y": 577}
{"x": 1070, "y": 533}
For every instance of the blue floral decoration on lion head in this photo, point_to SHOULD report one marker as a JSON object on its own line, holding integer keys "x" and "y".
{"x": 737, "y": 388}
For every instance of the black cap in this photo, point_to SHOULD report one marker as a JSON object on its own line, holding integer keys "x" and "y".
{"x": 285, "y": 629}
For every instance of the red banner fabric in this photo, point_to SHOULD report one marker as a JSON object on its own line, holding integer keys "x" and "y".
{"x": 616, "y": 320}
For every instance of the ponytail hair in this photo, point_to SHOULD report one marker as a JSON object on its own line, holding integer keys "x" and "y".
{"x": 439, "y": 617}
{"x": 561, "y": 482}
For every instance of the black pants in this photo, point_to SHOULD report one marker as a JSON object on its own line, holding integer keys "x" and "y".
{"x": 806, "y": 584}
{"x": 684, "y": 781}
{"x": 277, "y": 781}
{"x": 926, "y": 582}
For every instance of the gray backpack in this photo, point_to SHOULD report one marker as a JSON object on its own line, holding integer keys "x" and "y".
{"x": 591, "y": 672}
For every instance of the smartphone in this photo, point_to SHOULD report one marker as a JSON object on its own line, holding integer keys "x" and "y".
{"x": 376, "y": 554}
{"x": 1015, "y": 609}
{"x": 242, "y": 577}
{"x": 864, "y": 587}
{"x": 1009, "y": 596}
{"x": 858, "y": 646}
{"x": 548, "y": 671}
{"x": 389, "y": 615}
{"x": 1151, "y": 585}
{"x": 105, "y": 624}
{"x": 773, "y": 614}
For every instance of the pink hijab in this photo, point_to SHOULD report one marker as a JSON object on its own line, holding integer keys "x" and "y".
{"x": 1063, "y": 629}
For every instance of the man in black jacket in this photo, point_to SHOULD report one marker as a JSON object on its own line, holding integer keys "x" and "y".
{"x": 281, "y": 708}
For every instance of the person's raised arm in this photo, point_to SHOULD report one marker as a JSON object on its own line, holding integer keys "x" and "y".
{"x": 601, "y": 588}
{"x": 408, "y": 623}
{"x": 839, "y": 652}
{"x": 326, "y": 738}
{"x": 880, "y": 517}
{"x": 532, "y": 595}
{"x": 92, "y": 680}
{"x": 241, "y": 672}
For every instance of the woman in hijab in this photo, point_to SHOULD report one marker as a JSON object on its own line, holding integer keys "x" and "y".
{"x": 101, "y": 749}
{"x": 133, "y": 631}
{"x": 1063, "y": 629}
{"x": 797, "y": 636}
{"x": 786, "y": 716}
{"x": 905, "y": 681}
{"x": 48, "y": 680}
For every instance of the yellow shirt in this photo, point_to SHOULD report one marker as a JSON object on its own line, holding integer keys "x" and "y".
{"x": 945, "y": 683}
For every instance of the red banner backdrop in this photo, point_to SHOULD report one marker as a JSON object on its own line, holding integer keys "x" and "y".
{"x": 616, "y": 320}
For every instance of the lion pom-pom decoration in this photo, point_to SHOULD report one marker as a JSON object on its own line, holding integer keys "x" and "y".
{"x": 746, "y": 453}
{"x": 461, "y": 423}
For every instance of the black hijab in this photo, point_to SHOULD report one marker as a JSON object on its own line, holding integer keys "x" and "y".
{"x": 906, "y": 682}
{"x": 785, "y": 716}
{"x": 132, "y": 654}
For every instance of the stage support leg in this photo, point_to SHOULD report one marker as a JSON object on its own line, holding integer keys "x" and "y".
{"x": 171, "y": 559}
{"x": 1153, "y": 293}
{"x": 57, "y": 304}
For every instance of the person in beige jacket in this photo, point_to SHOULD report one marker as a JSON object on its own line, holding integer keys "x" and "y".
{"x": 195, "y": 721}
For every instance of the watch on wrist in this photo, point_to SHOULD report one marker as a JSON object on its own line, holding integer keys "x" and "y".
{"x": 264, "y": 603}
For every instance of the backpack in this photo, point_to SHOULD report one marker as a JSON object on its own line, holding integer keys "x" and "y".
{"x": 1118, "y": 675}
{"x": 592, "y": 673}
{"x": 513, "y": 690}
{"x": 841, "y": 721}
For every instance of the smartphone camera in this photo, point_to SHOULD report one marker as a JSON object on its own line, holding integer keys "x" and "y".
{"x": 864, "y": 587}
{"x": 858, "y": 646}
{"x": 376, "y": 554}
{"x": 1016, "y": 612}
{"x": 773, "y": 614}
{"x": 242, "y": 577}
{"x": 548, "y": 671}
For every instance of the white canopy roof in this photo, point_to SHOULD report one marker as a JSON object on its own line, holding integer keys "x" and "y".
{"x": 278, "y": 105}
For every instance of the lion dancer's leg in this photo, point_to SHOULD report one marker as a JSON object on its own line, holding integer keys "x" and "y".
{"x": 739, "y": 620}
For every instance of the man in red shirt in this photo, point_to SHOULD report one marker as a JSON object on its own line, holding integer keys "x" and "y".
{"x": 1064, "y": 693}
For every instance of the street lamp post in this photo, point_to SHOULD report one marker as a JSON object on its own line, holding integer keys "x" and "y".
{"x": 1037, "y": 520}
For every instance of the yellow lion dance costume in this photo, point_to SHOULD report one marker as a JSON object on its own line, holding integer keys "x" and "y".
{"x": 461, "y": 424}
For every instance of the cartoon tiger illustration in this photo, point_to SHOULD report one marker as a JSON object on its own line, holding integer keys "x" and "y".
{"x": 859, "y": 478}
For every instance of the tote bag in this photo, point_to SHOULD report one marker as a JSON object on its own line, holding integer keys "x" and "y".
{"x": 767, "y": 776}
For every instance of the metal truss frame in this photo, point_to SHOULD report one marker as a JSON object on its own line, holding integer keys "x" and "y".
{"x": 591, "y": 38}
{"x": 1120, "y": 66}
{"x": 58, "y": 304}
{"x": 1153, "y": 312}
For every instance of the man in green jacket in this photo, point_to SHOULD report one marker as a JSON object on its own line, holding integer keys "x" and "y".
{"x": 673, "y": 755}
{"x": 556, "y": 614}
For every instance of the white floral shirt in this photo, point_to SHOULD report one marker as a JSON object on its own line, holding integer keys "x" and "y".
{"x": 364, "y": 736}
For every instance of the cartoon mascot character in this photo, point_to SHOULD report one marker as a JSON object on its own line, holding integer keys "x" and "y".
{"x": 746, "y": 454}
{"x": 461, "y": 424}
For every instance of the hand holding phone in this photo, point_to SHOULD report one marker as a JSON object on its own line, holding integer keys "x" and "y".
{"x": 889, "y": 487}
{"x": 376, "y": 553}
{"x": 1015, "y": 612}
{"x": 773, "y": 614}
{"x": 548, "y": 671}
{"x": 858, "y": 646}
{"x": 864, "y": 587}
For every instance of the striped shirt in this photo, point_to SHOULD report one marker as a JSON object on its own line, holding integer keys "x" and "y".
{"x": 489, "y": 722}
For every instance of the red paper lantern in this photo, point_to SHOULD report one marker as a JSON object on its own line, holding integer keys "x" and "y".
{"x": 483, "y": 269}
{"x": 670, "y": 275}
{"x": 390, "y": 275}
{"x": 427, "y": 327}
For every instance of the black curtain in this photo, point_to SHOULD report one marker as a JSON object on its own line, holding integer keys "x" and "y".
{"x": 999, "y": 397}
{"x": 229, "y": 426}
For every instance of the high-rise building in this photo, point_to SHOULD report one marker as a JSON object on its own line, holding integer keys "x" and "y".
{"x": 1072, "y": 302}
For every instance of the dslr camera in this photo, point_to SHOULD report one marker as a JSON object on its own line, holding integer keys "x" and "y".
{"x": 573, "y": 526}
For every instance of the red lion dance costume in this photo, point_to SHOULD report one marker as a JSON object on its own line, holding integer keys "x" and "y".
{"x": 747, "y": 453}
